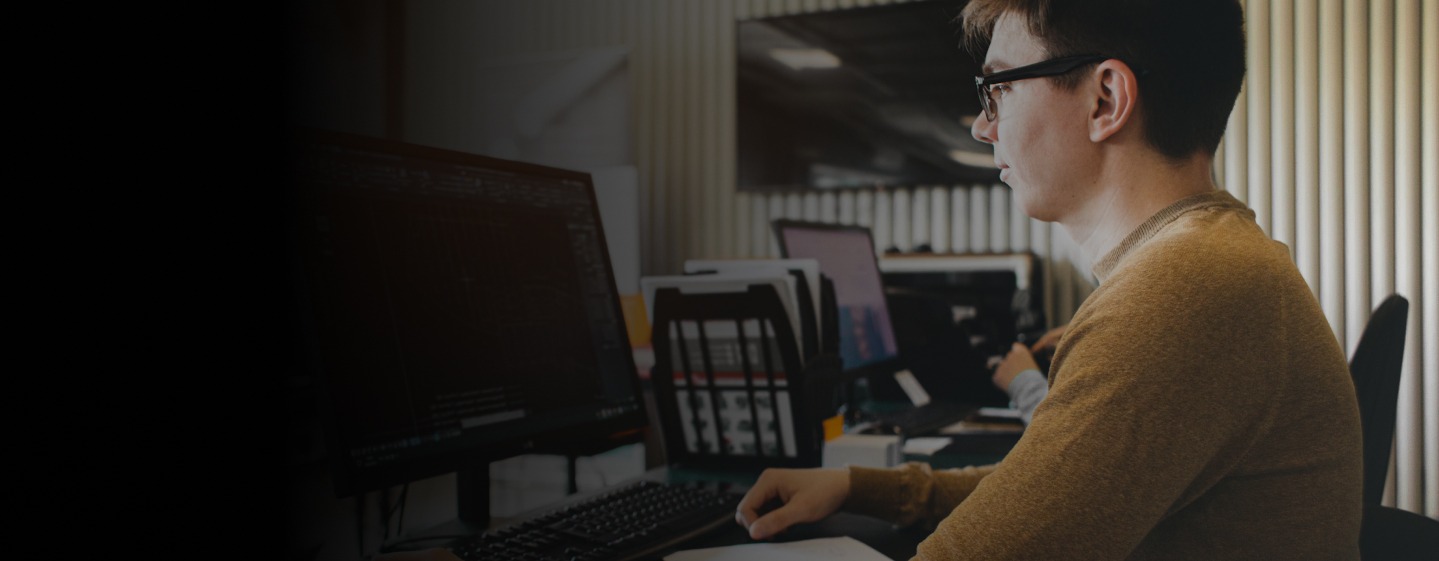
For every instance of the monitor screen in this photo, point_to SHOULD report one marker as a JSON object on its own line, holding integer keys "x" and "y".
{"x": 460, "y": 309}
{"x": 846, "y": 256}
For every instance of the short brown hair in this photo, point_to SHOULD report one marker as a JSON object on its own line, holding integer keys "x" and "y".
{"x": 1192, "y": 51}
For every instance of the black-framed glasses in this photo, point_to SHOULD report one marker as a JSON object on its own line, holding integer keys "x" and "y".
{"x": 1051, "y": 67}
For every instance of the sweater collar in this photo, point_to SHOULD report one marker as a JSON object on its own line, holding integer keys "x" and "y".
{"x": 1152, "y": 226}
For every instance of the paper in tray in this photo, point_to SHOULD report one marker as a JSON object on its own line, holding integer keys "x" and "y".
{"x": 808, "y": 267}
{"x": 737, "y": 412}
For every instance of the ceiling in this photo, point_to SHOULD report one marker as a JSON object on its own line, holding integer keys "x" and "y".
{"x": 893, "y": 111}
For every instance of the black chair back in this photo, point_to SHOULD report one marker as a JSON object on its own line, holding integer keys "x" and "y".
{"x": 1390, "y": 534}
{"x": 1375, "y": 369}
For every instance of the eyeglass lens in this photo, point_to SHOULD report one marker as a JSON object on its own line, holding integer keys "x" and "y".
{"x": 986, "y": 101}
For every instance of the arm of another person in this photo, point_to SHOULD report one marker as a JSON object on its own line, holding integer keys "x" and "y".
{"x": 1018, "y": 374}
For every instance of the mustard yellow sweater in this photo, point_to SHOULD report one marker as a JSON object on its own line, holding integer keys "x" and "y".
{"x": 1199, "y": 408}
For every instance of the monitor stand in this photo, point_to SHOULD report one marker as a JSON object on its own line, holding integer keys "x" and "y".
{"x": 472, "y": 496}
{"x": 472, "y": 492}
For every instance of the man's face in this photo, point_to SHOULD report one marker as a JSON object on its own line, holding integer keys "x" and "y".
{"x": 1040, "y": 134}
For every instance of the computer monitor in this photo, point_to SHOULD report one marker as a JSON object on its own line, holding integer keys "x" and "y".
{"x": 461, "y": 309}
{"x": 873, "y": 348}
{"x": 846, "y": 256}
{"x": 991, "y": 297}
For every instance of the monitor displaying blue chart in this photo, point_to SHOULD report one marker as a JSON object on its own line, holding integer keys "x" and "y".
{"x": 846, "y": 255}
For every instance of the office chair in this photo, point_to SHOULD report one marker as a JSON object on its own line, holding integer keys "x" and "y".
{"x": 1375, "y": 369}
{"x": 1387, "y": 533}
{"x": 1391, "y": 534}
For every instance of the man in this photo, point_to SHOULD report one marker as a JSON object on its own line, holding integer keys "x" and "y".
{"x": 1199, "y": 405}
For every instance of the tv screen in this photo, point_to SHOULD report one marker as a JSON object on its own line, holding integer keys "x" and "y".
{"x": 865, "y": 97}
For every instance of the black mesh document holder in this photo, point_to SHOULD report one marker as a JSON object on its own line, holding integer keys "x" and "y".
{"x": 731, "y": 388}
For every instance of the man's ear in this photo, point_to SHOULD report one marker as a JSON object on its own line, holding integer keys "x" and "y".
{"x": 1116, "y": 97}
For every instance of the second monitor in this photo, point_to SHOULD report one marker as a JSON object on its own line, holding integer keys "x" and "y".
{"x": 875, "y": 343}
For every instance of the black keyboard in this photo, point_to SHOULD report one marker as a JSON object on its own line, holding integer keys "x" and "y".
{"x": 924, "y": 419}
{"x": 626, "y": 523}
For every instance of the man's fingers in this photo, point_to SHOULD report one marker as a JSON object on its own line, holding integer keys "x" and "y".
{"x": 747, "y": 513}
{"x": 754, "y": 500}
{"x": 1050, "y": 338}
{"x": 772, "y": 523}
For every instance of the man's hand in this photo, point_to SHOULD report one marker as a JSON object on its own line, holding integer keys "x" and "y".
{"x": 807, "y": 495}
{"x": 1018, "y": 360}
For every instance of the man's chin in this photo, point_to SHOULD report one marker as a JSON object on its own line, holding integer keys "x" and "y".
{"x": 1030, "y": 209}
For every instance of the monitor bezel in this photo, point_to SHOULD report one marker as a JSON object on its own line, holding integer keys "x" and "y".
{"x": 587, "y": 438}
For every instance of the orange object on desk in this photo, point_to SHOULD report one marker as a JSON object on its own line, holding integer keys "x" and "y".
{"x": 637, "y": 323}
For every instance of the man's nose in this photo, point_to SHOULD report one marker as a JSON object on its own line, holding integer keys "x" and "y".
{"x": 983, "y": 129}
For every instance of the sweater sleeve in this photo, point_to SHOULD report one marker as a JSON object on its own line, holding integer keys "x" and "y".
{"x": 1027, "y": 389}
{"x": 911, "y": 493}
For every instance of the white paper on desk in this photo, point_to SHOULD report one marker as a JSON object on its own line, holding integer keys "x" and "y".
{"x": 837, "y": 549}
{"x": 926, "y": 446}
{"x": 973, "y": 427}
{"x": 1000, "y": 413}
